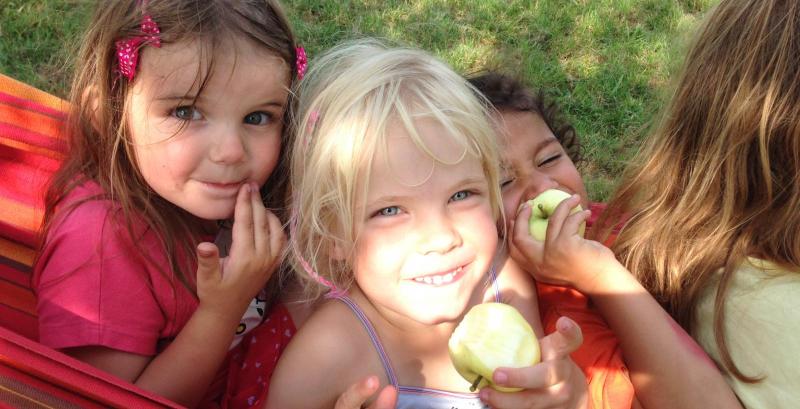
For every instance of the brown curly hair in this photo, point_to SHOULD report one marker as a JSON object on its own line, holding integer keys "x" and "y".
{"x": 507, "y": 93}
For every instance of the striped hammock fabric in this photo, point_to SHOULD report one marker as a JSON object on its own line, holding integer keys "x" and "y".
{"x": 32, "y": 375}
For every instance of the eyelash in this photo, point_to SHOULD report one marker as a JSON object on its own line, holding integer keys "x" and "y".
{"x": 194, "y": 115}
{"x": 382, "y": 212}
{"x": 551, "y": 159}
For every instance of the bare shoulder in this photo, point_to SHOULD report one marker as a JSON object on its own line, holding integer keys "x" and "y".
{"x": 325, "y": 356}
{"x": 518, "y": 289}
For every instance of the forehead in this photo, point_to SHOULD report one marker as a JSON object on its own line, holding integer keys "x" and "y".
{"x": 186, "y": 66}
{"x": 412, "y": 156}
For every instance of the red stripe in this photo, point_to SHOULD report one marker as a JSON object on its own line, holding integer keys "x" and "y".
{"x": 17, "y": 234}
{"x": 15, "y": 272}
{"x": 75, "y": 376}
{"x": 20, "y": 322}
{"x": 29, "y": 105}
{"x": 52, "y": 142}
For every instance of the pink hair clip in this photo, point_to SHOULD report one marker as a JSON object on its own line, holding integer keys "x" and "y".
{"x": 301, "y": 62}
{"x": 128, "y": 48}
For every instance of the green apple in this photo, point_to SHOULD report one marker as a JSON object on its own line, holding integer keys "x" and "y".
{"x": 542, "y": 207}
{"x": 490, "y": 336}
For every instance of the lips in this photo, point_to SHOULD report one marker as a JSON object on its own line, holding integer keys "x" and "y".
{"x": 442, "y": 278}
{"x": 223, "y": 188}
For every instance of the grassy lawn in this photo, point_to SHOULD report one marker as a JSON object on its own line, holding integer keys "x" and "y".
{"x": 607, "y": 62}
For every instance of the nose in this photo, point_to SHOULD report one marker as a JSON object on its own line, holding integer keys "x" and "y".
{"x": 228, "y": 146}
{"x": 438, "y": 234}
{"x": 535, "y": 183}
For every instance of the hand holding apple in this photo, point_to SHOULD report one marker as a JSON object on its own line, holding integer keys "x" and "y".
{"x": 490, "y": 336}
{"x": 542, "y": 207}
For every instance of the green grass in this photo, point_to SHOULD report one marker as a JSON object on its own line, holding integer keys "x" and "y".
{"x": 606, "y": 62}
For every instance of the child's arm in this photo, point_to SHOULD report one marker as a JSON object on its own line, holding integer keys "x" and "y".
{"x": 668, "y": 369}
{"x": 183, "y": 371}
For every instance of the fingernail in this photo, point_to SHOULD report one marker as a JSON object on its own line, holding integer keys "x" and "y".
{"x": 563, "y": 325}
{"x": 247, "y": 187}
{"x": 484, "y": 394}
{"x": 500, "y": 377}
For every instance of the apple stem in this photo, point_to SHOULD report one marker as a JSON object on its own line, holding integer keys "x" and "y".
{"x": 475, "y": 384}
{"x": 540, "y": 207}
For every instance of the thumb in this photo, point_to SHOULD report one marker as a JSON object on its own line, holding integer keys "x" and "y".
{"x": 207, "y": 261}
{"x": 566, "y": 340}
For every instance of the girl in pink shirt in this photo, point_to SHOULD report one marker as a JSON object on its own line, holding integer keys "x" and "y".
{"x": 177, "y": 122}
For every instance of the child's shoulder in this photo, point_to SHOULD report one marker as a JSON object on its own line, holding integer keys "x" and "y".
{"x": 330, "y": 352}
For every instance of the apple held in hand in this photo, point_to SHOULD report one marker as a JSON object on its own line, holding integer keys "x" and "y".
{"x": 490, "y": 336}
{"x": 542, "y": 207}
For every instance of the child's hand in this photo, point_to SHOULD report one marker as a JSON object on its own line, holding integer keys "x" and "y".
{"x": 556, "y": 382}
{"x": 227, "y": 286}
{"x": 564, "y": 258}
{"x": 358, "y": 393}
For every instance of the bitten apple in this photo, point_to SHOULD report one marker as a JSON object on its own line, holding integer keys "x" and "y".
{"x": 490, "y": 336}
{"x": 542, "y": 207}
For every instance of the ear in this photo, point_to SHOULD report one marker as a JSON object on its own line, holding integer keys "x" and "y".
{"x": 91, "y": 98}
{"x": 338, "y": 252}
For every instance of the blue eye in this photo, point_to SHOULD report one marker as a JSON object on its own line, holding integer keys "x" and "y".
{"x": 460, "y": 196}
{"x": 389, "y": 211}
{"x": 187, "y": 113}
{"x": 257, "y": 118}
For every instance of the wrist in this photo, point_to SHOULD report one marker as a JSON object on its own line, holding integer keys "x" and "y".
{"x": 611, "y": 279}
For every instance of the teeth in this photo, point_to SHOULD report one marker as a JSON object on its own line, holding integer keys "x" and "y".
{"x": 438, "y": 279}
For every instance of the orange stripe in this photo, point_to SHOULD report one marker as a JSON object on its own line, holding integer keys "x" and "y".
{"x": 17, "y": 252}
{"x": 32, "y": 121}
{"x": 13, "y": 143}
{"x": 19, "y": 215}
{"x": 17, "y": 297}
{"x": 25, "y": 91}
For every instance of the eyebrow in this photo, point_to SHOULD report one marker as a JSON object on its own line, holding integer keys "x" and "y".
{"x": 466, "y": 182}
{"x": 547, "y": 142}
{"x": 170, "y": 98}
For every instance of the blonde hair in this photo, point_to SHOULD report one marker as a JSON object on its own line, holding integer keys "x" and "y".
{"x": 718, "y": 179}
{"x": 349, "y": 99}
{"x": 100, "y": 147}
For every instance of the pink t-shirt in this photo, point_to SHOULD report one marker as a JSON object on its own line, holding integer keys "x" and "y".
{"x": 94, "y": 287}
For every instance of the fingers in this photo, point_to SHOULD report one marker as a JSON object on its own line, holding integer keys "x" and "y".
{"x": 357, "y": 394}
{"x": 277, "y": 239}
{"x": 243, "y": 225}
{"x": 560, "y": 344}
{"x": 387, "y": 398}
{"x": 207, "y": 262}
{"x": 539, "y": 376}
{"x": 555, "y": 224}
{"x": 261, "y": 223}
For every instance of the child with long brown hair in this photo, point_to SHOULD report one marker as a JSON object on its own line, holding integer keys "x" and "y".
{"x": 176, "y": 123}
{"x": 713, "y": 231}
{"x": 722, "y": 171}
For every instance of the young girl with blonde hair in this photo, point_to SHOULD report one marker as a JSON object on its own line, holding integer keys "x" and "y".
{"x": 176, "y": 123}
{"x": 711, "y": 202}
{"x": 396, "y": 204}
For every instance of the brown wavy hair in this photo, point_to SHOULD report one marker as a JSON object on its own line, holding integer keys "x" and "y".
{"x": 718, "y": 179}
{"x": 507, "y": 93}
{"x": 100, "y": 148}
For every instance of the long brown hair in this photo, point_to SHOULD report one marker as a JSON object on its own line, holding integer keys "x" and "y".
{"x": 99, "y": 138}
{"x": 719, "y": 178}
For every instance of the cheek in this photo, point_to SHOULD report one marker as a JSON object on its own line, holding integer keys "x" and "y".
{"x": 266, "y": 158}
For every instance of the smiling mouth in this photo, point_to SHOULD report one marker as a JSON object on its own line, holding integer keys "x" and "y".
{"x": 440, "y": 279}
